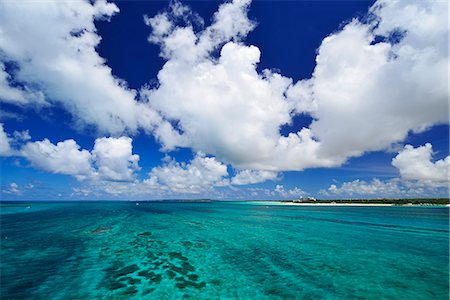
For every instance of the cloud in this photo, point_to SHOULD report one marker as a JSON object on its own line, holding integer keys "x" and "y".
{"x": 251, "y": 177}
{"x": 114, "y": 159}
{"x": 364, "y": 95}
{"x": 377, "y": 188}
{"x": 370, "y": 94}
{"x": 416, "y": 164}
{"x": 16, "y": 94}
{"x": 200, "y": 174}
{"x": 361, "y": 187}
{"x": 13, "y": 188}
{"x": 5, "y": 147}
{"x": 110, "y": 160}
{"x": 223, "y": 106}
{"x": 292, "y": 193}
{"x": 51, "y": 45}
{"x": 63, "y": 158}
{"x": 374, "y": 82}
{"x": 8, "y": 143}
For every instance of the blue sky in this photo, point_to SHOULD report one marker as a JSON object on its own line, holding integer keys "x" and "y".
{"x": 223, "y": 100}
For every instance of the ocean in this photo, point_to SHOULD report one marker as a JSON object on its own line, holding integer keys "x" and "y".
{"x": 222, "y": 250}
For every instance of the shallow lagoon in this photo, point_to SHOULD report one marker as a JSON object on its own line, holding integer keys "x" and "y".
{"x": 120, "y": 250}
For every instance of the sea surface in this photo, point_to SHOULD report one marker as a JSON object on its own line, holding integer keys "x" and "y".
{"x": 233, "y": 250}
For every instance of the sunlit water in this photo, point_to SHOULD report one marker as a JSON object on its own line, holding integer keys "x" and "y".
{"x": 120, "y": 250}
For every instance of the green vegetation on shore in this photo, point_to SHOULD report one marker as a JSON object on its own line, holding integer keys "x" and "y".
{"x": 413, "y": 201}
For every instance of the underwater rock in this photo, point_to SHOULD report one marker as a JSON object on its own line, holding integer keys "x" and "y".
{"x": 157, "y": 278}
{"x": 130, "y": 291}
{"x": 186, "y": 283}
{"x": 215, "y": 281}
{"x": 147, "y": 233}
{"x": 187, "y": 244}
{"x": 170, "y": 274}
{"x": 193, "y": 277}
{"x": 127, "y": 270}
{"x": 179, "y": 270}
{"x": 146, "y": 274}
{"x": 148, "y": 291}
{"x": 153, "y": 277}
{"x": 114, "y": 285}
{"x": 101, "y": 230}
{"x": 133, "y": 280}
{"x": 187, "y": 266}
{"x": 177, "y": 255}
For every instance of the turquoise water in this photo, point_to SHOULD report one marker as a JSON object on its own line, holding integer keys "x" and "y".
{"x": 120, "y": 250}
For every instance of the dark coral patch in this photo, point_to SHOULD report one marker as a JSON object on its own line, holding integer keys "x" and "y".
{"x": 148, "y": 291}
{"x": 153, "y": 277}
{"x": 187, "y": 244}
{"x": 100, "y": 230}
{"x": 177, "y": 255}
{"x": 147, "y": 233}
{"x": 133, "y": 280}
{"x": 187, "y": 283}
{"x": 130, "y": 291}
{"x": 170, "y": 274}
{"x": 126, "y": 270}
{"x": 193, "y": 277}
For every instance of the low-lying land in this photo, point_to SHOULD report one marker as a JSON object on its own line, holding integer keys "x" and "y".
{"x": 375, "y": 202}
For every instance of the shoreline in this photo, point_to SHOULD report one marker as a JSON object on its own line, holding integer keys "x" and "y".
{"x": 360, "y": 204}
{"x": 339, "y": 204}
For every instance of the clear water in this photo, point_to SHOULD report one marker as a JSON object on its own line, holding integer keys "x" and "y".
{"x": 119, "y": 250}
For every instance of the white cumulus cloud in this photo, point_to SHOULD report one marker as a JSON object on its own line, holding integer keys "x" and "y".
{"x": 416, "y": 164}
{"x": 363, "y": 96}
{"x": 111, "y": 159}
{"x": 360, "y": 187}
{"x": 200, "y": 174}
{"x": 253, "y": 176}
{"x": 114, "y": 158}
{"x": 369, "y": 94}
{"x": 52, "y": 46}
{"x": 223, "y": 106}
{"x": 65, "y": 157}
{"x": 5, "y": 147}
{"x": 291, "y": 193}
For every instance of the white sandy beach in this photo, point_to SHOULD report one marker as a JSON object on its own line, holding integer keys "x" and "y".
{"x": 333, "y": 204}
{"x": 354, "y": 204}
{"x": 336, "y": 204}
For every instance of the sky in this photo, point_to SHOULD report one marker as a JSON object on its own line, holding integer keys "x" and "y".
{"x": 142, "y": 100}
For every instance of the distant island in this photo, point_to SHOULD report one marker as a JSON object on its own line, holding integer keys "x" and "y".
{"x": 383, "y": 201}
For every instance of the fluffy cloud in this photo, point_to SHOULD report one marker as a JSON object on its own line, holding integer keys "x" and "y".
{"x": 251, "y": 176}
{"x": 114, "y": 158}
{"x": 5, "y": 147}
{"x": 200, "y": 174}
{"x": 110, "y": 160}
{"x": 63, "y": 158}
{"x": 363, "y": 96}
{"x": 377, "y": 188}
{"x": 17, "y": 95}
{"x": 361, "y": 187}
{"x": 370, "y": 94}
{"x": 52, "y": 47}
{"x": 8, "y": 143}
{"x": 416, "y": 164}
{"x": 224, "y": 106}
{"x": 13, "y": 188}
{"x": 292, "y": 193}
